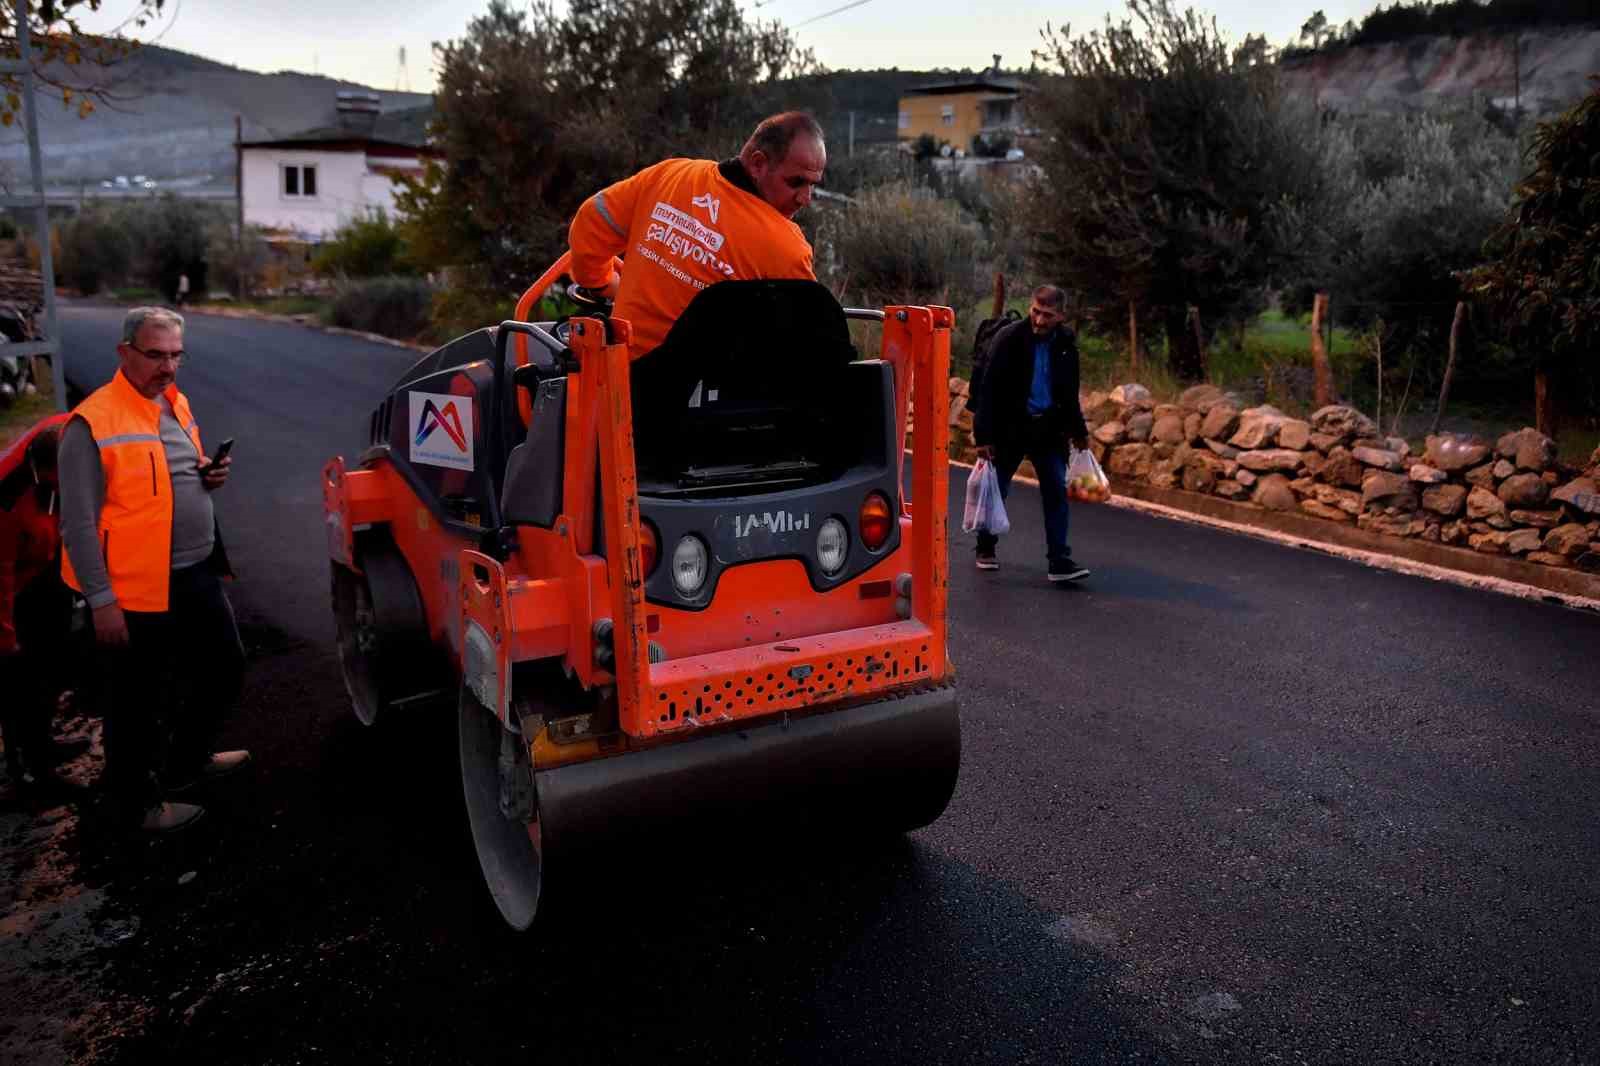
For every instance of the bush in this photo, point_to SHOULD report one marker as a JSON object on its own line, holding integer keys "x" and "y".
{"x": 96, "y": 252}
{"x": 901, "y": 244}
{"x": 369, "y": 246}
{"x": 394, "y": 306}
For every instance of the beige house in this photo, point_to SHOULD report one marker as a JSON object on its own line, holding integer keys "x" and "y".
{"x": 955, "y": 112}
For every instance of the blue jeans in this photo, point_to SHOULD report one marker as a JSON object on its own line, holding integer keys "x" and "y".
{"x": 1049, "y": 459}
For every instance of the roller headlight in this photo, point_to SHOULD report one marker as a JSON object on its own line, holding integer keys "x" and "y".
{"x": 689, "y": 566}
{"x": 833, "y": 545}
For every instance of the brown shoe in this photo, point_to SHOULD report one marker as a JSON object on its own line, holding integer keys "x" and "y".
{"x": 170, "y": 817}
{"x": 221, "y": 764}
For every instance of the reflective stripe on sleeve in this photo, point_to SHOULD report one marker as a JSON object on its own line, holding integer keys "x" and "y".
{"x": 600, "y": 206}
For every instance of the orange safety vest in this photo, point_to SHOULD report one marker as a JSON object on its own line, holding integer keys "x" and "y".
{"x": 136, "y": 520}
{"x": 680, "y": 226}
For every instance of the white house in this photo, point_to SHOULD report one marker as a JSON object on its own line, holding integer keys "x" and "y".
{"x": 306, "y": 184}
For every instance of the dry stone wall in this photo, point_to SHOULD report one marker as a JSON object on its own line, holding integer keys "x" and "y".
{"x": 1508, "y": 496}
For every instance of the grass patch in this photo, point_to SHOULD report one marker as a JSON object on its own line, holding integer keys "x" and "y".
{"x": 137, "y": 295}
{"x": 321, "y": 306}
{"x": 16, "y": 419}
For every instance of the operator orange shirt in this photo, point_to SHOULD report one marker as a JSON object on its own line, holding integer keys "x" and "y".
{"x": 681, "y": 225}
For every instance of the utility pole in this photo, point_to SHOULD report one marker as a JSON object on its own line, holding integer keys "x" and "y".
{"x": 1516, "y": 74}
{"x": 851, "y": 151}
{"x": 22, "y": 66}
{"x": 238, "y": 201}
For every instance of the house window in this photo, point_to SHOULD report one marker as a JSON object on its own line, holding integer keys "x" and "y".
{"x": 300, "y": 181}
{"x": 905, "y": 120}
{"x": 947, "y": 115}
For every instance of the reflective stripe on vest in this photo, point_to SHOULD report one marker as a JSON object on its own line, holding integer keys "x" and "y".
{"x": 136, "y": 519}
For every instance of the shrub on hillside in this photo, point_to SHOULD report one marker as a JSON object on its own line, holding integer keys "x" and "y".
{"x": 393, "y": 306}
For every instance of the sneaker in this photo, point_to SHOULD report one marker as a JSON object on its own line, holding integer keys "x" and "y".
{"x": 988, "y": 561}
{"x": 1067, "y": 570}
{"x": 221, "y": 764}
{"x": 170, "y": 817}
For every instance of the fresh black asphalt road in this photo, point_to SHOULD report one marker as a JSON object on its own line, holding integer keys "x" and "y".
{"x": 1225, "y": 801}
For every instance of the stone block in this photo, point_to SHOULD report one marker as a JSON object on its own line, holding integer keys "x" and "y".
{"x": 1112, "y": 432}
{"x": 1481, "y": 503}
{"x": 1522, "y": 541}
{"x": 1245, "y": 478}
{"x": 1382, "y": 489}
{"x": 1229, "y": 489}
{"x": 1489, "y": 543}
{"x": 1537, "y": 519}
{"x": 1227, "y": 451}
{"x": 1343, "y": 423}
{"x": 1273, "y": 493}
{"x": 1380, "y": 458}
{"x": 1524, "y": 490}
{"x": 1168, "y": 429}
{"x": 1131, "y": 460}
{"x": 1452, "y": 452}
{"x": 1481, "y": 476}
{"x": 1547, "y": 559}
{"x": 1133, "y": 395}
{"x": 1198, "y": 477}
{"x": 1504, "y": 468}
{"x": 1220, "y": 422}
{"x": 1191, "y": 426}
{"x": 1581, "y": 495}
{"x": 1270, "y": 459}
{"x": 1325, "y": 442}
{"x": 1569, "y": 540}
{"x": 1322, "y": 510}
{"x": 1294, "y": 434}
{"x": 1528, "y": 449}
{"x": 1445, "y": 500}
{"x": 1427, "y": 475}
{"x": 1195, "y": 396}
{"x": 1342, "y": 468}
{"x": 1139, "y": 426}
{"x": 1258, "y": 428}
{"x": 1165, "y": 474}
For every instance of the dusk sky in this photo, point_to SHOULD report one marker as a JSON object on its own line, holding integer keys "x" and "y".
{"x": 361, "y": 41}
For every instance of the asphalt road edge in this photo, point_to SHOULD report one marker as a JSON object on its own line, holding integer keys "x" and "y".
{"x": 1456, "y": 566}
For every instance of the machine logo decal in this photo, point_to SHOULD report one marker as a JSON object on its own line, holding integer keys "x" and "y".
{"x": 771, "y": 522}
{"x": 444, "y": 430}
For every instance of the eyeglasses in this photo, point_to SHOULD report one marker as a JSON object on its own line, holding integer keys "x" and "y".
{"x": 175, "y": 358}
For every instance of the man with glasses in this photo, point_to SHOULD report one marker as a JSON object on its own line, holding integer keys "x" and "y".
{"x": 142, "y": 548}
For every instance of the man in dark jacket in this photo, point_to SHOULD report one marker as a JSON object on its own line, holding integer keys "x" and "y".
{"x": 1029, "y": 410}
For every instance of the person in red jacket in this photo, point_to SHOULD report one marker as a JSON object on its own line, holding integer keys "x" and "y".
{"x": 684, "y": 224}
{"x": 35, "y": 609}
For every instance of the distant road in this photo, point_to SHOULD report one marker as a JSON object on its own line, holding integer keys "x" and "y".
{"x": 1226, "y": 801}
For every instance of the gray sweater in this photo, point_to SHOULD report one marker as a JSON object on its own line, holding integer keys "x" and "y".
{"x": 83, "y": 493}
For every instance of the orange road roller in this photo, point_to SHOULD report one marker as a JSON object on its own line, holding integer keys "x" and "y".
{"x": 666, "y": 593}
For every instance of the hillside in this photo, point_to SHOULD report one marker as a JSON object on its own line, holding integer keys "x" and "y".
{"x": 173, "y": 118}
{"x": 1554, "y": 70}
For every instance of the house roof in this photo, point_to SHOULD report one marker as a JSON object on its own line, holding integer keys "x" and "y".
{"x": 406, "y": 129}
{"x": 975, "y": 83}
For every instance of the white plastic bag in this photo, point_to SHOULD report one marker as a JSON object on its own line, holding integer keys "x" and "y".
{"x": 1086, "y": 482}
{"x": 985, "y": 508}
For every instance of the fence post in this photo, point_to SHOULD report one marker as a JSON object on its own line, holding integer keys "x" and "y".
{"x": 1133, "y": 337}
{"x": 1450, "y": 363}
{"x": 1321, "y": 370}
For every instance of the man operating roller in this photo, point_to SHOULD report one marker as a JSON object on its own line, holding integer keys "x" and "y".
{"x": 685, "y": 224}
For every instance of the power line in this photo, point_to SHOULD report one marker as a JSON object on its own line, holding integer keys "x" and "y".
{"x": 825, "y": 14}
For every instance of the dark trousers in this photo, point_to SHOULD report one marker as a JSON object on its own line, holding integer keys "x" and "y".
{"x": 31, "y": 679}
{"x": 1043, "y": 447}
{"x": 166, "y": 695}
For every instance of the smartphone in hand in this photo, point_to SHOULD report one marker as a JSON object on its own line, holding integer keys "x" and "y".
{"x": 222, "y": 453}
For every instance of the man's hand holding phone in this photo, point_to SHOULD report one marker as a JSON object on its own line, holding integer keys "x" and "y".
{"x": 214, "y": 471}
